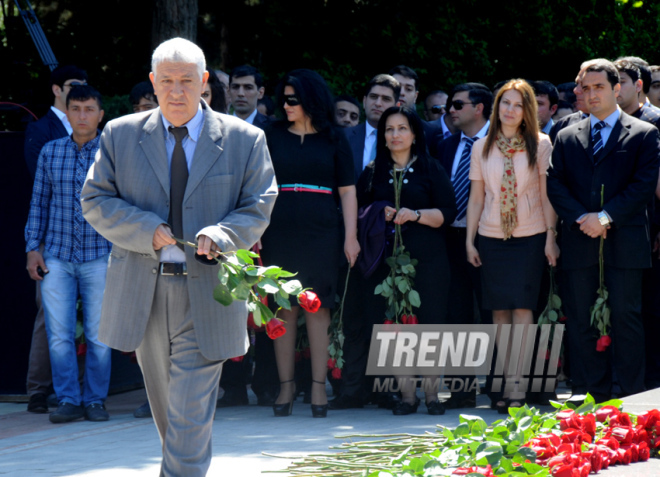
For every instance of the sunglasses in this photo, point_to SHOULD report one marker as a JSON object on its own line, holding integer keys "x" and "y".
{"x": 458, "y": 104}
{"x": 291, "y": 99}
{"x": 438, "y": 109}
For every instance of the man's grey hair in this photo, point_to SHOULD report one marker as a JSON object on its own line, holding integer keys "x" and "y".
{"x": 179, "y": 50}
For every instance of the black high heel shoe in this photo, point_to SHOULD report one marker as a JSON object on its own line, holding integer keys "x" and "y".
{"x": 282, "y": 410}
{"x": 319, "y": 410}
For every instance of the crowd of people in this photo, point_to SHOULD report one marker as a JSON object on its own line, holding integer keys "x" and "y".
{"x": 496, "y": 186}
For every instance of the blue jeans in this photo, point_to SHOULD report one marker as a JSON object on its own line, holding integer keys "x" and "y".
{"x": 59, "y": 291}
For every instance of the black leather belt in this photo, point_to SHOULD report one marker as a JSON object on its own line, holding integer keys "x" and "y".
{"x": 173, "y": 268}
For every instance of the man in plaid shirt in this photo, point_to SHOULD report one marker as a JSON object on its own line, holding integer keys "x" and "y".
{"x": 74, "y": 260}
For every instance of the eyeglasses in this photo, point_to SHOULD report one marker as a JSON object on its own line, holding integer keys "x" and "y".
{"x": 438, "y": 109}
{"x": 458, "y": 104}
{"x": 291, "y": 99}
{"x": 75, "y": 83}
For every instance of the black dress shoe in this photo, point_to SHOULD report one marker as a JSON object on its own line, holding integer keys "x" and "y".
{"x": 233, "y": 398}
{"x": 389, "y": 400}
{"x": 283, "y": 410}
{"x": 404, "y": 408}
{"x": 319, "y": 410}
{"x": 266, "y": 398}
{"x": 66, "y": 412}
{"x": 143, "y": 411}
{"x": 435, "y": 408}
{"x": 38, "y": 403}
{"x": 457, "y": 401}
{"x": 346, "y": 402}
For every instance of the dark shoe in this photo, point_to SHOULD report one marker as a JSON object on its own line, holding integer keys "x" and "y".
{"x": 502, "y": 406}
{"x": 233, "y": 398}
{"x": 518, "y": 403}
{"x": 52, "y": 400}
{"x": 66, "y": 412}
{"x": 266, "y": 398}
{"x": 435, "y": 408}
{"x": 404, "y": 408}
{"x": 460, "y": 401}
{"x": 143, "y": 411}
{"x": 319, "y": 410}
{"x": 96, "y": 413}
{"x": 346, "y": 402}
{"x": 389, "y": 400}
{"x": 38, "y": 403}
{"x": 283, "y": 410}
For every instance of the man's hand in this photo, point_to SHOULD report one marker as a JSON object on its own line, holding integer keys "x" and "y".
{"x": 35, "y": 260}
{"x": 162, "y": 237}
{"x": 206, "y": 246}
{"x": 591, "y": 226}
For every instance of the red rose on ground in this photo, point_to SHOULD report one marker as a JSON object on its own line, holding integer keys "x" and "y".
{"x": 606, "y": 411}
{"x": 309, "y": 301}
{"x": 275, "y": 328}
{"x": 237, "y": 359}
{"x": 336, "y": 373}
{"x": 82, "y": 349}
{"x": 603, "y": 342}
{"x": 332, "y": 363}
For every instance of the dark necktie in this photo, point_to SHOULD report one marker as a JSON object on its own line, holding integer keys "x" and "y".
{"x": 462, "y": 179}
{"x": 597, "y": 137}
{"x": 178, "y": 181}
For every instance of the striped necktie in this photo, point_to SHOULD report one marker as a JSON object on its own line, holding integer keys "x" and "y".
{"x": 461, "y": 180}
{"x": 597, "y": 137}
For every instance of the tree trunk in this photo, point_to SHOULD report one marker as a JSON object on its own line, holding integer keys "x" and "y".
{"x": 174, "y": 18}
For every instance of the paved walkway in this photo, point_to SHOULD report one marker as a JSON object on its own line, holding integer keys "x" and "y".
{"x": 124, "y": 446}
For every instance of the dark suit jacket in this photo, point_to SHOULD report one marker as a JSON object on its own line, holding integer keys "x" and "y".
{"x": 39, "y": 133}
{"x": 356, "y": 136}
{"x": 648, "y": 114}
{"x": 446, "y": 151}
{"x": 628, "y": 169}
{"x": 563, "y": 123}
{"x": 260, "y": 120}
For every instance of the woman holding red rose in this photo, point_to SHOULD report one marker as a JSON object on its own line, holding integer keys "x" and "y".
{"x": 510, "y": 208}
{"x": 314, "y": 169}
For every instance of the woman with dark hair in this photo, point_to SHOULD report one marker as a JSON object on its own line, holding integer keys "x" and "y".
{"x": 314, "y": 169}
{"x": 214, "y": 93}
{"x": 510, "y": 208}
{"x": 426, "y": 203}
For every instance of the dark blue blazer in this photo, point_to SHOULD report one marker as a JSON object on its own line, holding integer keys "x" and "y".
{"x": 446, "y": 151}
{"x": 39, "y": 133}
{"x": 260, "y": 120}
{"x": 356, "y": 136}
{"x": 627, "y": 167}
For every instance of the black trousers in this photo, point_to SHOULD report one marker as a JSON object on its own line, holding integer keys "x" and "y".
{"x": 591, "y": 370}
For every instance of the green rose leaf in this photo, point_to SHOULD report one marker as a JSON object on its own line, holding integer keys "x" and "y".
{"x": 413, "y": 298}
{"x": 222, "y": 295}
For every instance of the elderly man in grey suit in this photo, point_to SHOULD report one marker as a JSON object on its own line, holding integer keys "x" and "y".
{"x": 182, "y": 171}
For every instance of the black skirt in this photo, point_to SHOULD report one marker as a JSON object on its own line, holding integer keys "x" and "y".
{"x": 511, "y": 271}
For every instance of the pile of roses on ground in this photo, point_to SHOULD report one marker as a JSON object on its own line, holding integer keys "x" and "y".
{"x": 567, "y": 442}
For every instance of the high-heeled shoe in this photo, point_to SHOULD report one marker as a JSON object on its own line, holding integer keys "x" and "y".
{"x": 319, "y": 410}
{"x": 282, "y": 410}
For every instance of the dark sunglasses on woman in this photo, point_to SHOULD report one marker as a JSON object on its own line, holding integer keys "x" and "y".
{"x": 291, "y": 99}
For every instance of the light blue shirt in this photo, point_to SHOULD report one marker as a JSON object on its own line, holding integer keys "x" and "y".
{"x": 172, "y": 253}
{"x": 548, "y": 127}
{"x": 607, "y": 130}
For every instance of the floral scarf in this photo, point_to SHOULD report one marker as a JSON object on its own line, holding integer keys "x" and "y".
{"x": 508, "y": 190}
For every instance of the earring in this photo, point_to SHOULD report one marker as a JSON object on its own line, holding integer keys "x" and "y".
{"x": 522, "y": 125}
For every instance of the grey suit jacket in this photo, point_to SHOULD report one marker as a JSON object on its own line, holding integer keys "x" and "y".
{"x": 230, "y": 194}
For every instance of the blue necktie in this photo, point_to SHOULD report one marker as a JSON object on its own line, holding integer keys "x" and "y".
{"x": 462, "y": 180}
{"x": 597, "y": 138}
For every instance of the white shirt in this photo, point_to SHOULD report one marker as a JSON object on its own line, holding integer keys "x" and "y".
{"x": 64, "y": 119}
{"x": 457, "y": 158}
{"x": 369, "y": 144}
{"x": 250, "y": 118}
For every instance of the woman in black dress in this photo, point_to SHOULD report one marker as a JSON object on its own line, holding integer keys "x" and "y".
{"x": 314, "y": 169}
{"x": 427, "y": 202}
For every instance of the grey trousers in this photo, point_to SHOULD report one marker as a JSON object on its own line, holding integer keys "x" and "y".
{"x": 182, "y": 385}
{"x": 39, "y": 376}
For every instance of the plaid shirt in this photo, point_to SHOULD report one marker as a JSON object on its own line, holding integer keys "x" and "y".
{"x": 55, "y": 211}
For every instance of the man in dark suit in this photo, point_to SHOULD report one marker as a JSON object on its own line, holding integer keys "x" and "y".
{"x": 631, "y": 86}
{"x": 612, "y": 154}
{"x": 245, "y": 90}
{"x": 470, "y": 109}
{"x": 382, "y": 92}
{"x": 54, "y": 125}
{"x": 581, "y": 106}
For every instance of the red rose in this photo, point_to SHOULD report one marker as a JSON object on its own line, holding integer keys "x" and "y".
{"x": 252, "y": 325}
{"x": 563, "y": 319}
{"x": 404, "y": 319}
{"x": 309, "y": 301}
{"x": 603, "y": 342}
{"x": 275, "y": 328}
{"x": 388, "y": 322}
{"x": 565, "y": 470}
{"x": 336, "y": 373}
{"x": 237, "y": 359}
{"x": 606, "y": 411}
{"x": 306, "y": 353}
{"x": 298, "y": 356}
{"x": 412, "y": 320}
{"x": 82, "y": 349}
{"x": 644, "y": 451}
{"x": 332, "y": 363}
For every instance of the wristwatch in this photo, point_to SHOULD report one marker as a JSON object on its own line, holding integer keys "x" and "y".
{"x": 418, "y": 214}
{"x": 603, "y": 219}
